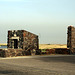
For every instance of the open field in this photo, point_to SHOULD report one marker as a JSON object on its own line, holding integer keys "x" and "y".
{"x": 47, "y": 46}
{"x": 3, "y": 44}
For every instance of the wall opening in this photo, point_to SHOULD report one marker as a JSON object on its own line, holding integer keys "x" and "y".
{"x": 15, "y": 43}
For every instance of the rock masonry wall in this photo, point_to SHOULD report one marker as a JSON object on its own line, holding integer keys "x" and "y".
{"x": 20, "y": 43}
{"x": 71, "y": 38}
{"x": 26, "y": 40}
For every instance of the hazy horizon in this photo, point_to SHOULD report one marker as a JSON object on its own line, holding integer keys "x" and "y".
{"x": 48, "y": 19}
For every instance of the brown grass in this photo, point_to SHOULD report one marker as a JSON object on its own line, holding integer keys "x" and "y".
{"x": 3, "y": 44}
{"x": 47, "y": 46}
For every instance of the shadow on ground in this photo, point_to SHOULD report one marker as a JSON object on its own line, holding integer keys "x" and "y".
{"x": 8, "y": 72}
{"x": 12, "y": 72}
{"x": 68, "y": 59}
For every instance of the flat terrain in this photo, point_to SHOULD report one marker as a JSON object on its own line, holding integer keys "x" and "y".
{"x": 48, "y": 46}
{"x": 45, "y": 46}
{"x": 4, "y": 44}
{"x": 38, "y": 65}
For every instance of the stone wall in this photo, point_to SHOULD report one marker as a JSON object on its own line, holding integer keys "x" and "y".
{"x": 11, "y": 52}
{"x": 71, "y": 38}
{"x": 21, "y": 39}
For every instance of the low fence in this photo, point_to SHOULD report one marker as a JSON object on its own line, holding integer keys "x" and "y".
{"x": 10, "y": 52}
{"x": 55, "y": 51}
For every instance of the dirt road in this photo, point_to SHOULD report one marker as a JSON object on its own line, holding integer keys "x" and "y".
{"x": 38, "y": 65}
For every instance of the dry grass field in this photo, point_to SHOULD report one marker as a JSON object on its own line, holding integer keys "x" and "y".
{"x": 47, "y": 46}
{"x": 4, "y": 44}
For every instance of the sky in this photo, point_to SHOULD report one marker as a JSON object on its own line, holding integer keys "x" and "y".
{"x": 48, "y": 19}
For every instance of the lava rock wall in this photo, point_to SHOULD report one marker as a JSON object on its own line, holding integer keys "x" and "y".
{"x": 71, "y": 38}
{"x": 21, "y": 39}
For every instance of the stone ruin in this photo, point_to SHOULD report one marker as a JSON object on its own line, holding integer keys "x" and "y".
{"x": 20, "y": 43}
{"x": 22, "y": 39}
{"x": 71, "y": 39}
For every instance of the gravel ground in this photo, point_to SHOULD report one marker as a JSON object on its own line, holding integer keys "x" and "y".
{"x": 37, "y": 65}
